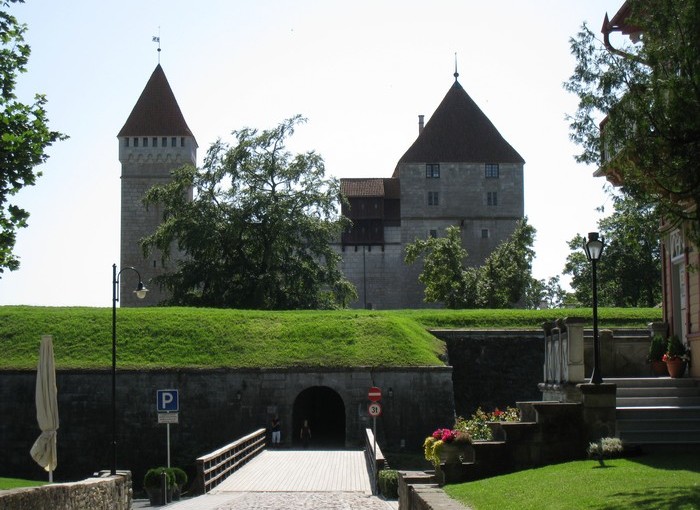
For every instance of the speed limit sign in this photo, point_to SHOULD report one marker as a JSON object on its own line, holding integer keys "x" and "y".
{"x": 375, "y": 409}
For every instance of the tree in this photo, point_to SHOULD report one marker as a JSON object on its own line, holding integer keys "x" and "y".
{"x": 24, "y": 135}
{"x": 257, "y": 232}
{"x": 629, "y": 272}
{"x": 648, "y": 97}
{"x": 500, "y": 282}
{"x": 545, "y": 293}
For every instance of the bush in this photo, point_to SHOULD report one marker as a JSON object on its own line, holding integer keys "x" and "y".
{"x": 151, "y": 479}
{"x": 389, "y": 483}
{"x": 180, "y": 476}
{"x": 657, "y": 348}
{"x": 606, "y": 448}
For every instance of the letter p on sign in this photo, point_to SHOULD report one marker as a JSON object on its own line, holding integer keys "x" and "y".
{"x": 167, "y": 401}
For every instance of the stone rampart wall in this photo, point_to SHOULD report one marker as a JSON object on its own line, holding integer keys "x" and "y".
{"x": 90, "y": 494}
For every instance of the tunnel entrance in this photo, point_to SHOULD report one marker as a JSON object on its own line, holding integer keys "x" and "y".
{"x": 325, "y": 412}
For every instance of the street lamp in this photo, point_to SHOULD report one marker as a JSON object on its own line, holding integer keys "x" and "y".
{"x": 594, "y": 249}
{"x": 140, "y": 293}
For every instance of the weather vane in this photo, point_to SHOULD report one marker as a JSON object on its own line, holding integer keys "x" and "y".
{"x": 156, "y": 39}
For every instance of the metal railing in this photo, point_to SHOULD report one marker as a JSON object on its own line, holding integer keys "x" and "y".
{"x": 213, "y": 468}
{"x": 375, "y": 460}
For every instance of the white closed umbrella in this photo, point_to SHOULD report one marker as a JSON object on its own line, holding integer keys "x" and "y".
{"x": 44, "y": 449}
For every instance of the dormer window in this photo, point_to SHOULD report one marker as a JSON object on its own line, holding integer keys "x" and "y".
{"x": 432, "y": 171}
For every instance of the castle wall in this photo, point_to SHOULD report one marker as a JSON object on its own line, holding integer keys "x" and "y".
{"x": 211, "y": 414}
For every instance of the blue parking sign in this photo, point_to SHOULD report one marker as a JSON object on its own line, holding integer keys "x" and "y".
{"x": 167, "y": 401}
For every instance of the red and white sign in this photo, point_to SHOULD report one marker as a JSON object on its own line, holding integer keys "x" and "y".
{"x": 375, "y": 409}
{"x": 375, "y": 394}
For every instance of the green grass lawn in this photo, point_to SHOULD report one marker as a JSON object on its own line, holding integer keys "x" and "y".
{"x": 15, "y": 483}
{"x": 165, "y": 337}
{"x": 658, "y": 481}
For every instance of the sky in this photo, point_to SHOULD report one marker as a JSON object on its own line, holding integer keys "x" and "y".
{"x": 361, "y": 72}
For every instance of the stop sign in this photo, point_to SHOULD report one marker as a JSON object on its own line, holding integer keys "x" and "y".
{"x": 375, "y": 394}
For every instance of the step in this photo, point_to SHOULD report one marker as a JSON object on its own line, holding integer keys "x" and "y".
{"x": 658, "y": 413}
{"x": 631, "y": 437}
{"x": 689, "y": 425}
{"x": 653, "y": 401}
{"x": 660, "y": 382}
{"x": 658, "y": 392}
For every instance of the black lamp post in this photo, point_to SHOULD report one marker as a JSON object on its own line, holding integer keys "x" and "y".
{"x": 594, "y": 249}
{"x": 140, "y": 293}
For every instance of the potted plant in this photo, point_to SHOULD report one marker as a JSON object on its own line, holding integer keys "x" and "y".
{"x": 676, "y": 356}
{"x": 153, "y": 482}
{"x": 657, "y": 349}
{"x": 180, "y": 478}
{"x": 448, "y": 446}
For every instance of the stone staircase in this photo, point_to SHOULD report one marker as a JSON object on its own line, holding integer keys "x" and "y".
{"x": 658, "y": 411}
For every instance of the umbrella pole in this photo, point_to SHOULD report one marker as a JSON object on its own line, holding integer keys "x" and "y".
{"x": 50, "y": 475}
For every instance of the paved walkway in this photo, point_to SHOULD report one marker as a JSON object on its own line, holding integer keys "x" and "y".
{"x": 288, "y": 479}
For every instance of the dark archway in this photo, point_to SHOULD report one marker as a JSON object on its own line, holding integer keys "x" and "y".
{"x": 324, "y": 409}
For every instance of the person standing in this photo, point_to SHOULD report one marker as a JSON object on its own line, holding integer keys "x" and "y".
{"x": 276, "y": 431}
{"x": 305, "y": 434}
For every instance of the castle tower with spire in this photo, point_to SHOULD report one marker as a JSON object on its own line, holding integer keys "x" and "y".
{"x": 154, "y": 141}
{"x": 460, "y": 172}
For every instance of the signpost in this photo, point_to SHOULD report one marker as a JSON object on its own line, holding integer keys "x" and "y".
{"x": 168, "y": 406}
{"x": 374, "y": 410}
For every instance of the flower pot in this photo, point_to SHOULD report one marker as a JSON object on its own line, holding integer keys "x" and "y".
{"x": 676, "y": 367}
{"x": 456, "y": 453}
{"x": 658, "y": 369}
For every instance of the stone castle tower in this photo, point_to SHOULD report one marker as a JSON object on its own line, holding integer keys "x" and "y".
{"x": 154, "y": 141}
{"x": 459, "y": 171}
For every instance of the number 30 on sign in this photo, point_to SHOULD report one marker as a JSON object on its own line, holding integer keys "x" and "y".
{"x": 375, "y": 409}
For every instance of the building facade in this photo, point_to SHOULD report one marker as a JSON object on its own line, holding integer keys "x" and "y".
{"x": 459, "y": 172}
{"x": 154, "y": 141}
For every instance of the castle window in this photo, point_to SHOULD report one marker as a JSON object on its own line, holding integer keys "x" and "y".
{"x": 155, "y": 141}
{"x": 433, "y": 198}
{"x": 433, "y": 233}
{"x": 145, "y": 141}
{"x": 136, "y": 142}
{"x": 126, "y": 141}
{"x": 182, "y": 141}
{"x": 491, "y": 171}
{"x": 432, "y": 171}
{"x": 164, "y": 141}
{"x": 492, "y": 198}
{"x": 484, "y": 233}
{"x": 173, "y": 142}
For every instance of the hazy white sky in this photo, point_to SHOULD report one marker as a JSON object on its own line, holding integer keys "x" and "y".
{"x": 360, "y": 71}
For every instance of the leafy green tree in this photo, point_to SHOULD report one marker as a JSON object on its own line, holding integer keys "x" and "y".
{"x": 501, "y": 282}
{"x": 547, "y": 293}
{"x": 257, "y": 232}
{"x": 629, "y": 271}
{"x": 648, "y": 97}
{"x": 24, "y": 135}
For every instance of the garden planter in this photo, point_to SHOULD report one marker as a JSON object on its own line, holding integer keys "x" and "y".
{"x": 676, "y": 367}
{"x": 658, "y": 369}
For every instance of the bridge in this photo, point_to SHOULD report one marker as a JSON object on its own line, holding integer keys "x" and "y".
{"x": 244, "y": 475}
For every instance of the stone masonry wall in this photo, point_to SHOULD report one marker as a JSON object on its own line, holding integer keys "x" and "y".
{"x": 211, "y": 414}
{"x": 494, "y": 368}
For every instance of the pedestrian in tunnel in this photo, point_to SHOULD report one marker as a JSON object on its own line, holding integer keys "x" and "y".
{"x": 305, "y": 434}
{"x": 276, "y": 431}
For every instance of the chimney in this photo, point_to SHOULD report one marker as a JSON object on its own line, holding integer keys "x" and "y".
{"x": 420, "y": 123}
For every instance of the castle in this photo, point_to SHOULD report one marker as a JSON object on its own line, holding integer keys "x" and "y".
{"x": 459, "y": 171}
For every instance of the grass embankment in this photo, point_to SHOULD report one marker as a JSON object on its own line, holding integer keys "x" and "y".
{"x": 16, "y": 483}
{"x": 659, "y": 481}
{"x": 153, "y": 338}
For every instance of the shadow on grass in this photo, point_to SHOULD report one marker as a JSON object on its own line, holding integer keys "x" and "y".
{"x": 667, "y": 498}
{"x": 670, "y": 461}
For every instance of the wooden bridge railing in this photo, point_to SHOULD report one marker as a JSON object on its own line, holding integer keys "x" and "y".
{"x": 375, "y": 460}
{"x": 213, "y": 468}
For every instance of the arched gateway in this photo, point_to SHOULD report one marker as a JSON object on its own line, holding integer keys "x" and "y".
{"x": 323, "y": 407}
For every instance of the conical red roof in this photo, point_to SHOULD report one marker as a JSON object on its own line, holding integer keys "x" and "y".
{"x": 156, "y": 112}
{"x": 459, "y": 132}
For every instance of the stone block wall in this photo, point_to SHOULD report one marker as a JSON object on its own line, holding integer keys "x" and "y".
{"x": 216, "y": 407}
{"x": 90, "y": 494}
